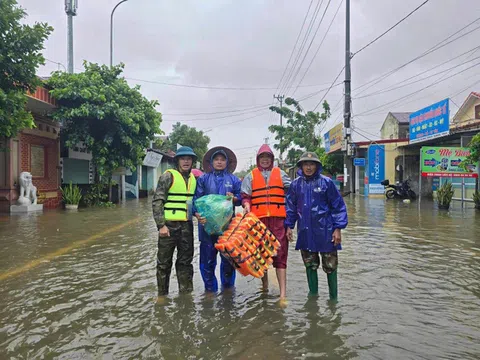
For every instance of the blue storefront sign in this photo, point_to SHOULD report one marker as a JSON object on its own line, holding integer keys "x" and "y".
{"x": 326, "y": 138}
{"x": 359, "y": 162}
{"x": 376, "y": 169}
{"x": 430, "y": 123}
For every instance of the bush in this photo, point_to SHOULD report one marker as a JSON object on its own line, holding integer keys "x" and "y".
{"x": 71, "y": 194}
{"x": 96, "y": 196}
{"x": 476, "y": 199}
{"x": 445, "y": 195}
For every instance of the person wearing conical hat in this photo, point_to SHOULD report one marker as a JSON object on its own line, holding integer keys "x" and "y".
{"x": 317, "y": 207}
{"x": 173, "y": 215}
{"x": 219, "y": 163}
{"x": 263, "y": 193}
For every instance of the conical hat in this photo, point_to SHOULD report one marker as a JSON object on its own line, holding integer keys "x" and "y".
{"x": 231, "y": 162}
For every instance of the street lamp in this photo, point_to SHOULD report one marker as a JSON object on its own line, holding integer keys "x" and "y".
{"x": 111, "y": 31}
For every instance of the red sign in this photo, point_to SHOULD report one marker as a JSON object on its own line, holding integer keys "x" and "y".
{"x": 454, "y": 175}
{"x": 340, "y": 178}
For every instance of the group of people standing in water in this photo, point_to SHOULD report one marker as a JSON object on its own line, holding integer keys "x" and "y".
{"x": 311, "y": 202}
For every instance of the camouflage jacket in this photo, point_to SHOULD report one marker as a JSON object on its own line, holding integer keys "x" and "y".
{"x": 160, "y": 197}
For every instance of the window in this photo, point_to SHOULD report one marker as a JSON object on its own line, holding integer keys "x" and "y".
{"x": 37, "y": 160}
{"x": 477, "y": 112}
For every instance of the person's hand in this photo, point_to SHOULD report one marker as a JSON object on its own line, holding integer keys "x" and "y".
{"x": 164, "y": 232}
{"x": 246, "y": 208}
{"x": 200, "y": 219}
{"x": 229, "y": 194}
{"x": 337, "y": 237}
{"x": 289, "y": 234}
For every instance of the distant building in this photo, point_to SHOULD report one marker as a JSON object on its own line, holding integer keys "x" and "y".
{"x": 395, "y": 126}
{"x": 33, "y": 150}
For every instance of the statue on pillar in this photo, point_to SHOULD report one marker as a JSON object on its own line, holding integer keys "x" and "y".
{"x": 28, "y": 192}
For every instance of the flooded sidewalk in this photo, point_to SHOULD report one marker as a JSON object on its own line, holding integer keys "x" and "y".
{"x": 81, "y": 285}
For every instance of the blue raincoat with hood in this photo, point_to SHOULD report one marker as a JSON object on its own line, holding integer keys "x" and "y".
{"x": 215, "y": 182}
{"x": 316, "y": 204}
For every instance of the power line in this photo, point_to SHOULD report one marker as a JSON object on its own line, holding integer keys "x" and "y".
{"x": 302, "y": 46}
{"x": 57, "y": 63}
{"x": 391, "y": 28}
{"x": 219, "y": 112}
{"x": 235, "y": 122}
{"x": 423, "y": 72}
{"x": 416, "y": 92}
{"x": 318, "y": 49}
{"x": 310, "y": 45}
{"x": 318, "y": 92}
{"x": 416, "y": 81}
{"x": 325, "y": 95}
{"x": 220, "y": 117}
{"x": 425, "y": 53}
{"x": 294, "y": 46}
{"x": 207, "y": 87}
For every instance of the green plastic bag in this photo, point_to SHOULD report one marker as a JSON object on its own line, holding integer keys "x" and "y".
{"x": 218, "y": 210}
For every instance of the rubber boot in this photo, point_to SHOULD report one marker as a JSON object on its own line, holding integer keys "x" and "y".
{"x": 312, "y": 278}
{"x": 332, "y": 285}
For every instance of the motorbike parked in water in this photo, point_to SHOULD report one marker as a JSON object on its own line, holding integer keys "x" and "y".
{"x": 400, "y": 191}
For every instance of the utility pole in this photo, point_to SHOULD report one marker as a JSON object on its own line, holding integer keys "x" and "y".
{"x": 71, "y": 10}
{"x": 280, "y": 99}
{"x": 348, "y": 173}
{"x": 266, "y": 140}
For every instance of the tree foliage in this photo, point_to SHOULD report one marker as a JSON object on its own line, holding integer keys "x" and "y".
{"x": 332, "y": 163}
{"x": 20, "y": 56}
{"x": 98, "y": 108}
{"x": 187, "y": 136}
{"x": 301, "y": 133}
{"x": 474, "y": 149}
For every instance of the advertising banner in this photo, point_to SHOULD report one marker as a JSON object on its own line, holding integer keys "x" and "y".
{"x": 376, "y": 169}
{"x": 333, "y": 139}
{"x": 430, "y": 123}
{"x": 445, "y": 161}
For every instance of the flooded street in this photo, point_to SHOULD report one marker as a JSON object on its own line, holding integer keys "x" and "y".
{"x": 82, "y": 286}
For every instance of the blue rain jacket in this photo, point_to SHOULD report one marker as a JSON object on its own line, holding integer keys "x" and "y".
{"x": 217, "y": 182}
{"x": 317, "y": 205}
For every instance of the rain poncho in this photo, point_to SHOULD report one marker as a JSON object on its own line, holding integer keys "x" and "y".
{"x": 316, "y": 204}
{"x": 216, "y": 182}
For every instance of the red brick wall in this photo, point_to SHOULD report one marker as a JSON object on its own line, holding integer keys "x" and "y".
{"x": 49, "y": 183}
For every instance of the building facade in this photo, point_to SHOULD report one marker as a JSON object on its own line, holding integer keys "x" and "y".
{"x": 36, "y": 151}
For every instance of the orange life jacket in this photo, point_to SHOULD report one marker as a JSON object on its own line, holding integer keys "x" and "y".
{"x": 268, "y": 200}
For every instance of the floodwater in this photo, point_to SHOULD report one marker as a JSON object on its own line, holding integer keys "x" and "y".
{"x": 81, "y": 285}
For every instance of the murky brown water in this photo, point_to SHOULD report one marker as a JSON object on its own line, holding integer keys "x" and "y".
{"x": 409, "y": 288}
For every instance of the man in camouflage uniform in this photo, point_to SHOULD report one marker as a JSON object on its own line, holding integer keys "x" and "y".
{"x": 172, "y": 213}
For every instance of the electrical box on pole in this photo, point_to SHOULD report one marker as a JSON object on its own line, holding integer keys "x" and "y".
{"x": 71, "y": 7}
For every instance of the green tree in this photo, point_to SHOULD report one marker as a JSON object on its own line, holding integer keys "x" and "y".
{"x": 332, "y": 163}
{"x": 98, "y": 108}
{"x": 187, "y": 136}
{"x": 20, "y": 57}
{"x": 301, "y": 133}
{"x": 474, "y": 149}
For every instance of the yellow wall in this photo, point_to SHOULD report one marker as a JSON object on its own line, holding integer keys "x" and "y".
{"x": 466, "y": 117}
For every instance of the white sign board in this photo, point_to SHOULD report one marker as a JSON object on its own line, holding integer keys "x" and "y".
{"x": 152, "y": 159}
{"x": 79, "y": 152}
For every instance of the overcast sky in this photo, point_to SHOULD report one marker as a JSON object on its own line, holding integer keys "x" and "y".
{"x": 246, "y": 44}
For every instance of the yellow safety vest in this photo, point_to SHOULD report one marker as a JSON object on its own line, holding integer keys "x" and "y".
{"x": 176, "y": 207}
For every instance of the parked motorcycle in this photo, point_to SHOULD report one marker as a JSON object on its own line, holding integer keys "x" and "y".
{"x": 400, "y": 191}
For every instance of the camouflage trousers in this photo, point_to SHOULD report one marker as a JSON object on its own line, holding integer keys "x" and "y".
{"x": 181, "y": 237}
{"x": 312, "y": 260}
